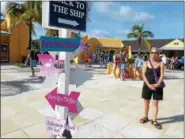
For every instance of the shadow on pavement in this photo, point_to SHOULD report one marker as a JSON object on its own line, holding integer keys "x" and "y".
{"x": 10, "y": 88}
{"x": 172, "y": 119}
{"x": 79, "y": 76}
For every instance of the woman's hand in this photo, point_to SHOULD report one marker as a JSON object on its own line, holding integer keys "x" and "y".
{"x": 155, "y": 85}
{"x": 151, "y": 86}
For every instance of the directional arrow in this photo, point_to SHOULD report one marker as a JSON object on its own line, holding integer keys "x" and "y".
{"x": 44, "y": 58}
{"x": 59, "y": 44}
{"x": 68, "y": 22}
{"x": 49, "y": 65}
{"x": 63, "y": 100}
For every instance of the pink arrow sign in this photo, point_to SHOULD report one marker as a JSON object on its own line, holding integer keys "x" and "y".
{"x": 63, "y": 100}
{"x": 49, "y": 65}
{"x": 44, "y": 58}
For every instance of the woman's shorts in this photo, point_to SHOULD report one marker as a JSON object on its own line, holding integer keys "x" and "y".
{"x": 123, "y": 68}
{"x": 32, "y": 63}
{"x": 148, "y": 93}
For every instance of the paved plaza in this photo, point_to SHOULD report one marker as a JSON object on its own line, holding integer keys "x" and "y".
{"x": 110, "y": 108}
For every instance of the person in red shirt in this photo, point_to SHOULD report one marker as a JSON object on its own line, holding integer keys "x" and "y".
{"x": 117, "y": 62}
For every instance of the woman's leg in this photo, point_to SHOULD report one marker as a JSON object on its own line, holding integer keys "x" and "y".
{"x": 114, "y": 70}
{"x": 155, "y": 109}
{"x": 33, "y": 71}
{"x": 146, "y": 107}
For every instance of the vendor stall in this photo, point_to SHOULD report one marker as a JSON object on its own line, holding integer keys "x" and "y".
{"x": 174, "y": 48}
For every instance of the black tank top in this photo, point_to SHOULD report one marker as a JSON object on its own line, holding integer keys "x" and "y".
{"x": 150, "y": 75}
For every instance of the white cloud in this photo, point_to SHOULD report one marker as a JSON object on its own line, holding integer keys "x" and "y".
{"x": 126, "y": 11}
{"x": 103, "y": 7}
{"x": 124, "y": 31}
{"x": 98, "y": 33}
{"x": 143, "y": 16}
{"x": 122, "y": 12}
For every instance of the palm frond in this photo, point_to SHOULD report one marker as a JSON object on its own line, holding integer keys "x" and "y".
{"x": 142, "y": 27}
{"x": 147, "y": 34}
{"x": 132, "y": 35}
{"x": 136, "y": 27}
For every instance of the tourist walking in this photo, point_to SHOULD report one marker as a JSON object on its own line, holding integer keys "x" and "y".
{"x": 86, "y": 57}
{"x": 153, "y": 73}
{"x": 101, "y": 59}
{"x": 123, "y": 61}
{"x": 138, "y": 64}
{"x": 106, "y": 58}
{"x": 116, "y": 61}
{"x": 164, "y": 60}
{"x": 90, "y": 59}
{"x": 31, "y": 60}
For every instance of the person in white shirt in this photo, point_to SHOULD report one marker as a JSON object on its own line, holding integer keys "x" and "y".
{"x": 164, "y": 60}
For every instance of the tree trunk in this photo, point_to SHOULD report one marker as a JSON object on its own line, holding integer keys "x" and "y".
{"x": 139, "y": 51}
{"x": 30, "y": 34}
{"x": 139, "y": 42}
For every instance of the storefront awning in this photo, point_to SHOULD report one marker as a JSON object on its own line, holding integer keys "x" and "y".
{"x": 174, "y": 45}
{"x": 4, "y": 33}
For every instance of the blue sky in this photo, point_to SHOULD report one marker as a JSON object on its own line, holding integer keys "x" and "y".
{"x": 115, "y": 19}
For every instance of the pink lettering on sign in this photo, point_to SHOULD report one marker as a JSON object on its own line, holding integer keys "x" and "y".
{"x": 63, "y": 100}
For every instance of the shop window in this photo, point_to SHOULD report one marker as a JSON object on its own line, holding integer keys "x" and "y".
{"x": 4, "y": 52}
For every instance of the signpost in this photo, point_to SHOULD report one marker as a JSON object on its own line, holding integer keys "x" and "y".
{"x": 68, "y": 14}
{"x": 69, "y": 101}
{"x": 63, "y": 15}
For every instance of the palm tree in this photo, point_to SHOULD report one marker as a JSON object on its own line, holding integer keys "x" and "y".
{"x": 27, "y": 13}
{"x": 140, "y": 34}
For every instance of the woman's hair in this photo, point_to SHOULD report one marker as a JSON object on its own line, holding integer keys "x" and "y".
{"x": 155, "y": 48}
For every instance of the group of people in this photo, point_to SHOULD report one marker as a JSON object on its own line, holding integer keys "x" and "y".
{"x": 173, "y": 62}
{"x": 101, "y": 58}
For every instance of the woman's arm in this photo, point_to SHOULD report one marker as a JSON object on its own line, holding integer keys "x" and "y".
{"x": 161, "y": 75}
{"x": 144, "y": 74}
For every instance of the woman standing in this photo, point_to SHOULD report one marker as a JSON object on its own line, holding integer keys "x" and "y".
{"x": 151, "y": 87}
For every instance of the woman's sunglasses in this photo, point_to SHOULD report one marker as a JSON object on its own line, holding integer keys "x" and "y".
{"x": 153, "y": 52}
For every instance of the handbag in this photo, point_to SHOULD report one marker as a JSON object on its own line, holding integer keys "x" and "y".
{"x": 162, "y": 85}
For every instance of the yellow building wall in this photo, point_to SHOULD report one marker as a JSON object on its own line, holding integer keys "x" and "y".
{"x": 18, "y": 42}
